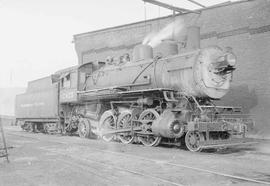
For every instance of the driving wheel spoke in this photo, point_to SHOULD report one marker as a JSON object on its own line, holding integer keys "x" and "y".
{"x": 107, "y": 123}
{"x": 124, "y": 121}
{"x": 149, "y": 115}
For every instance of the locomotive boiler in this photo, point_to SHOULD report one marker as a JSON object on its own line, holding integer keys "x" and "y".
{"x": 157, "y": 95}
{"x": 204, "y": 73}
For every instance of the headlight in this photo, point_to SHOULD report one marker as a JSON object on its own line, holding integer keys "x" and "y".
{"x": 231, "y": 59}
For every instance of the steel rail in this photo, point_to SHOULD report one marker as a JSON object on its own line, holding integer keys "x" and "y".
{"x": 190, "y": 167}
{"x": 122, "y": 169}
{"x": 168, "y": 163}
{"x": 84, "y": 167}
{"x": 102, "y": 163}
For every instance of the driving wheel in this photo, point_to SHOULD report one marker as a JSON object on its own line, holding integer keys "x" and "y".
{"x": 107, "y": 123}
{"x": 148, "y": 117}
{"x": 124, "y": 122}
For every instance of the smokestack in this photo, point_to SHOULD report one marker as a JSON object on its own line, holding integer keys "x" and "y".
{"x": 193, "y": 38}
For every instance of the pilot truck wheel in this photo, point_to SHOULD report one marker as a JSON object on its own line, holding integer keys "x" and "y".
{"x": 192, "y": 141}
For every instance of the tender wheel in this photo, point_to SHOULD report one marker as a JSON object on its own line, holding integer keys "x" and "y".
{"x": 124, "y": 121}
{"x": 26, "y": 127}
{"x": 149, "y": 115}
{"x": 84, "y": 128}
{"x": 46, "y": 128}
{"x": 192, "y": 140}
{"x": 107, "y": 123}
{"x": 30, "y": 127}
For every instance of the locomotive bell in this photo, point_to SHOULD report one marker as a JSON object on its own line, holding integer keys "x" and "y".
{"x": 142, "y": 52}
{"x": 166, "y": 48}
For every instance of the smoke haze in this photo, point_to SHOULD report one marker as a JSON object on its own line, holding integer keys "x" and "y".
{"x": 168, "y": 32}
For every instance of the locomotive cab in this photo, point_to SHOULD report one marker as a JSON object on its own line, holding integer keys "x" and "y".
{"x": 68, "y": 86}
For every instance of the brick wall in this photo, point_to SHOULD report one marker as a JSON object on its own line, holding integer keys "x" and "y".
{"x": 244, "y": 26}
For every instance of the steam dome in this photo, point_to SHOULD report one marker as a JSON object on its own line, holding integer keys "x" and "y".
{"x": 142, "y": 52}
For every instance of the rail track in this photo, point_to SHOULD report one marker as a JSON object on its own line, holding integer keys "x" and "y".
{"x": 95, "y": 161}
{"x": 155, "y": 161}
{"x": 127, "y": 170}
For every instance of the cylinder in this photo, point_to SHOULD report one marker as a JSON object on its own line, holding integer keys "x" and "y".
{"x": 166, "y": 48}
{"x": 142, "y": 52}
{"x": 168, "y": 126}
{"x": 193, "y": 38}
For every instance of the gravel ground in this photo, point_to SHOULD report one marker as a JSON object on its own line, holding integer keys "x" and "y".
{"x": 38, "y": 159}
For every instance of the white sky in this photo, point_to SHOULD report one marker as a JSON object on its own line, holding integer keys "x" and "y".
{"x": 36, "y": 35}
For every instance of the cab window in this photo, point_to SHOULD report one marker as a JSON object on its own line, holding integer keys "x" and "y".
{"x": 65, "y": 81}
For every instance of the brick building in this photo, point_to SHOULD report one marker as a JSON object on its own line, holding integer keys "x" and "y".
{"x": 244, "y": 26}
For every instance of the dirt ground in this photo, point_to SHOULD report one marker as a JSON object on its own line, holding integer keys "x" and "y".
{"x": 38, "y": 159}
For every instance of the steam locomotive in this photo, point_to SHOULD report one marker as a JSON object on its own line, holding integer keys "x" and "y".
{"x": 161, "y": 95}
